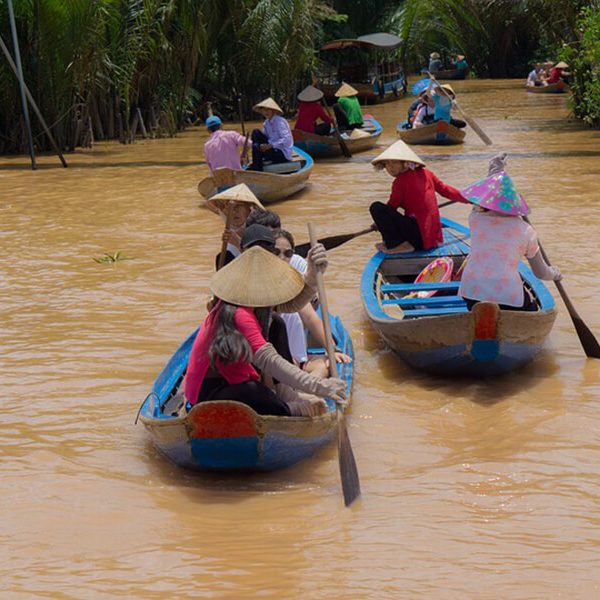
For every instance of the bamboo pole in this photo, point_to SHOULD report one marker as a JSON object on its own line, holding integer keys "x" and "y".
{"x": 13, "y": 28}
{"x": 33, "y": 104}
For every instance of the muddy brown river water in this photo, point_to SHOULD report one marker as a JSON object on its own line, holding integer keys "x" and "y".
{"x": 471, "y": 489}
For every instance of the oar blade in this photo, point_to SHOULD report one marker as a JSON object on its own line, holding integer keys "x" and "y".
{"x": 586, "y": 337}
{"x": 348, "y": 469}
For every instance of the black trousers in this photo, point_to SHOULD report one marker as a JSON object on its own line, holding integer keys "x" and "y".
{"x": 322, "y": 129}
{"x": 253, "y": 393}
{"x": 342, "y": 119}
{"x": 258, "y": 156}
{"x": 457, "y": 123}
{"x": 394, "y": 227}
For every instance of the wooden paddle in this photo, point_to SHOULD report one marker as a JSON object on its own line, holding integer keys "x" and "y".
{"x": 333, "y": 241}
{"x": 348, "y": 470}
{"x": 586, "y": 337}
{"x": 244, "y": 157}
{"x": 228, "y": 218}
{"x": 469, "y": 120}
{"x": 344, "y": 147}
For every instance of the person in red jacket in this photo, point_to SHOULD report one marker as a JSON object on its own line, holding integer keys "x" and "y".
{"x": 309, "y": 110}
{"x": 413, "y": 190}
{"x": 558, "y": 72}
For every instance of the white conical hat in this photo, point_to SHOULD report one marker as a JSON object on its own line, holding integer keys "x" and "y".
{"x": 257, "y": 278}
{"x": 398, "y": 151}
{"x": 346, "y": 90}
{"x": 561, "y": 65}
{"x": 359, "y": 133}
{"x": 310, "y": 94}
{"x": 448, "y": 88}
{"x": 268, "y": 103}
{"x": 237, "y": 193}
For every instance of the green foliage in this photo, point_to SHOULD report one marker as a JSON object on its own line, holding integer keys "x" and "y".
{"x": 111, "y": 258}
{"x": 583, "y": 58}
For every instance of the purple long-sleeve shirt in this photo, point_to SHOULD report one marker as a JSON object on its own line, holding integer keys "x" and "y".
{"x": 279, "y": 134}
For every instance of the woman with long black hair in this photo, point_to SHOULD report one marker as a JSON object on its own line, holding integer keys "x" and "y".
{"x": 231, "y": 348}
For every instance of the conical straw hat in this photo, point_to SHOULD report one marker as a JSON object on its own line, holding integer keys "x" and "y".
{"x": 497, "y": 193}
{"x": 346, "y": 90}
{"x": 310, "y": 94}
{"x": 257, "y": 278}
{"x": 561, "y": 65}
{"x": 398, "y": 151}
{"x": 268, "y": 103}
{"x": 237, "y": 193}
{"x": 358, "y": 133}
{"x": 434, "y": 55}
{"x": 448, "y": 88}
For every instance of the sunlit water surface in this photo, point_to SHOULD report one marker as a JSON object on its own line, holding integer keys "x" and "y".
{"x": 486, "y": 489}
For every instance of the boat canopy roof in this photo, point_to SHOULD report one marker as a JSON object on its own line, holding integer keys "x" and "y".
{"x": 381, "y": 41}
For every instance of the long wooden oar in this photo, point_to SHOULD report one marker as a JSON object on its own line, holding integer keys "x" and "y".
{"x": 586, "y": 337}
{"x": 228, "y": 218}
{"x": 344, "y": 147}
{"x": 348, "y": 470}
{"x": 333, "y": 241}
{"x": 468, "y": 119}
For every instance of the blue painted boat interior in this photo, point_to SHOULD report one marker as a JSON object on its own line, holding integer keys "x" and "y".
{"x": 305, "y": 158}
{"x": 269, "y": 450}
{"x": 446, "y": 301}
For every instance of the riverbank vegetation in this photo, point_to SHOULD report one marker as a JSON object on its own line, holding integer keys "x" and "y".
{"x": 583, "y": 56}
{"x": 116, "y": 68}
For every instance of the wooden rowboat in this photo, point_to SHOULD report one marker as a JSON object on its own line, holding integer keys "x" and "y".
{"x": 276, "y": 182}
{"x": 229, "y": 436}
{"x": 552, "y": 88}
{"x": 438, "y": 334}
{"x": 324, "y": 146}
{"x": 440, "y": 133}
{"x": 452, "y": 74}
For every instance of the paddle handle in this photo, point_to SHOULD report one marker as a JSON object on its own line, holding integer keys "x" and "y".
{"x": 345, "y": 150}
{"x": 228, "y": 219}
{"x": 486, "y": 140}
{"x": 324, "y": 310}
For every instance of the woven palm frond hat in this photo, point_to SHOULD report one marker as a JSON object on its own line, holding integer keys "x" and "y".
{"x": 237, "y": 193}
{"x": 398, "y": 151}
{"x": 346, "y": 90}
{"x": 257, "y": 278}
{"x": 268, "y": 103}
{"x": 310, "y": 94}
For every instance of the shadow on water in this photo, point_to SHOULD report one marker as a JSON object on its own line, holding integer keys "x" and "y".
{"x": 485, "y": 391}
{"x": 234, "y": 487}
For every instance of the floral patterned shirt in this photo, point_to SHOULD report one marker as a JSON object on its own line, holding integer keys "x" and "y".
{"x": 498, "y": 243}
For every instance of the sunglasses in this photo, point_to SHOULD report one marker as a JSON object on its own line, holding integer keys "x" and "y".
{"x": 287, "y": 253}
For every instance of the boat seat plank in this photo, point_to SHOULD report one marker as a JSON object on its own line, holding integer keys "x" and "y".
{"x": 434, "y": 312}
{"x": 420, "y": 287}
{"x": 435, "y": 301}
{"x": 282, "y": 168}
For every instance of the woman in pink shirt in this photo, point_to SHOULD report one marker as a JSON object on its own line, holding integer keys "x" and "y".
{"x": 231, "y": 349}
{"x": 500, "y": 238}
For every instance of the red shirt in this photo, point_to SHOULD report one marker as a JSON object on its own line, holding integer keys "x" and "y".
{"x": 198, "y": 364}
{"x": 308, "y": 113}
{"x": 555, "y": 75}
{"x": 414, "y": 191}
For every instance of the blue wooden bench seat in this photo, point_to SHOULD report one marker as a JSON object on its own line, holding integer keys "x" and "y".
{"x": 282, "y": 168}
{"x": 420, "y": 287}
{"x": 434, "y": 301}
